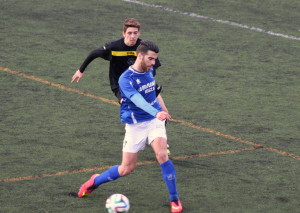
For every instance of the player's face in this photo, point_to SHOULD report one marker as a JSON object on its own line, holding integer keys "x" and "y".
{"x": 148, "y": 61}
{"x": 131, "y": 36}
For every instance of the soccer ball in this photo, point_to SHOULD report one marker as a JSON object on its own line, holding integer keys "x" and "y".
{"x": 117, "y": 203}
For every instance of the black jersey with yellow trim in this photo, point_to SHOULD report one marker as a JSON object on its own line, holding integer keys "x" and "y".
{"x": 120, "y": 56}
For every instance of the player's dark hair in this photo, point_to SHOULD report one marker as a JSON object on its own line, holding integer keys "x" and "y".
{"x": 146, "y": 45}
{"x": 131, "y": 22}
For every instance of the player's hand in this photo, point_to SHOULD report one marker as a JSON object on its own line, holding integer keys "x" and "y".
{"x": 162, "y": 115}
{"x": 78, "y": 75}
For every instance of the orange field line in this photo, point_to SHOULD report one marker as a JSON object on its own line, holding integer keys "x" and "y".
{"x": 236, "y": 138}
{"x": 138, "y": 163}
{"x": 60, "y": 86}
{"x": 174, "y": 120}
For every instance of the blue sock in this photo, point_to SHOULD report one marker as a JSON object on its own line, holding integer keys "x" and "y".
{"x": 109, "y": 175}
{"x": 169, "y": 176}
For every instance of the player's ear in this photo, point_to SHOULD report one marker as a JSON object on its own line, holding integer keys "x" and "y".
{"x": 123, "y": 34}
{"x": 140, "y": 56}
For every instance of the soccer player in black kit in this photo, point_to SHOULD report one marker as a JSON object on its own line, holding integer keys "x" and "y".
{"x": 122, "y": 54}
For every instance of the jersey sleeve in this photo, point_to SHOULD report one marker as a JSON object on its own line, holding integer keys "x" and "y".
{"x": 141, "y": 103}
{"x": 101, "y": 52}
{"x": 126, "y": 86}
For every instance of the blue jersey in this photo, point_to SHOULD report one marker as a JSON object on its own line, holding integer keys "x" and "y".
{"x": 132, "y": 82}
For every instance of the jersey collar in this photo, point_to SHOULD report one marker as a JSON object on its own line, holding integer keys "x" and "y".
{"x": 135, "y": 71}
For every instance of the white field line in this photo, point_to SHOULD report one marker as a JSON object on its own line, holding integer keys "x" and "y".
{"x": 256, "y": 29}
{"x": 8, "y": 0}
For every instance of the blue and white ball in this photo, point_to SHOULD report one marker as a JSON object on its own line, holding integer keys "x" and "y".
{"x": 117, "y": 203}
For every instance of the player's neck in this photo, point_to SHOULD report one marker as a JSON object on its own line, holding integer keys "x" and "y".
{"x": 137, "y": 68}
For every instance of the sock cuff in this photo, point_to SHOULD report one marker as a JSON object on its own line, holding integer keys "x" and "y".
{"x": 109, "y": 175}
{"x": 166, "y": 163}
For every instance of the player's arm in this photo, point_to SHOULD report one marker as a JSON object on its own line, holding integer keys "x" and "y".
{"x": 159, "y": 88}
{"x": 141, "y": 103}
{"x": 162, "y": 103}
{"x": 102, "y": 52}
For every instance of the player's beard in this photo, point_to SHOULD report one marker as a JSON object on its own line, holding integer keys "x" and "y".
{"x": 144, "y": 66}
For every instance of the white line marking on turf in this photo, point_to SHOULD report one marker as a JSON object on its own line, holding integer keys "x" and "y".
{"x": 8, "y": 0}
{"x": 256, "y": 29}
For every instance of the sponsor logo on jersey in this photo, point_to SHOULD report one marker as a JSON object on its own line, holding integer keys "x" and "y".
{"x": 123, "y": 53}
{"x": 149, "y": 87}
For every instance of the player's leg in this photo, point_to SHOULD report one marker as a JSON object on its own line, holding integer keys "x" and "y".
{"x": 168, "y": 173}
{"x": 98, "y": 179}
{"x": 128, "y": 163}
{"x": 168, "y": 170}
{"x": 134, "y": 141}
{"x": 127, "y": 166}
{"x": 164, "y": 108}
{"x": 159, "y": 145}
{"x": 113, "y": 173}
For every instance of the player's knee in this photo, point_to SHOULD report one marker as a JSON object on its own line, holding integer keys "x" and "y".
{"x": 126, "y": 170}
{"x": 162, "y": 156}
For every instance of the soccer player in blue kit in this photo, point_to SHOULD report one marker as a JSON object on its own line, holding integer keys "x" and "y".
{"x": 121, "y": 53}
{"x": 145, "y": 123}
